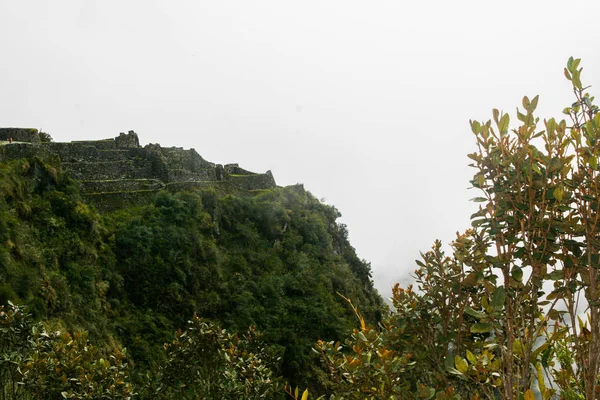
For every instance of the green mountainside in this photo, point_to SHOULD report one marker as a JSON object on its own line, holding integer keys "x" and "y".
{"x": 274, "y": 259}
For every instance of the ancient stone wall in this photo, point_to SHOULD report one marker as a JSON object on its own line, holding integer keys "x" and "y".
{"x": 29, "y": 135}
{"x": 121, "y": 185}
{"x": 118, "y": 172}
{"x": 254, "y": 181}
{"x": 111, "y": 201}
{"x": 108, "y": 170}
{"x": 15, "y": 151}
{"x": 235, "y": 169}
{"x": 127, "y": 140}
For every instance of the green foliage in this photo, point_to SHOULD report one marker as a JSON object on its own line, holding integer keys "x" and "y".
{"x": 540, "y": 217}
{"x": 500, "y": 316}
{"x": 45, "y": 137}
{"x": 67, "y": 366}
{"x": 36, "y": 364}
{"x": 15, "y": 330}
{"x": 273, "y": 260}
{"x": 205, "y": 361}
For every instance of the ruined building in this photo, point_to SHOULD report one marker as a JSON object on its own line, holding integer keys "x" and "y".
{"x": 119, "y": 172}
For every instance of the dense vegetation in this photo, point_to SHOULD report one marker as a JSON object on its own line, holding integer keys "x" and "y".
{"x": 272, "y": 260}
{"x": 513, "y": 312}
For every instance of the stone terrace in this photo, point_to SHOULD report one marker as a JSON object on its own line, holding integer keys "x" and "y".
{"x": 121, "y": 170}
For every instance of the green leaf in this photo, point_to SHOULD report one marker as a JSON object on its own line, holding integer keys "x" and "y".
{"x": 567, "y": 74}
{"x": 475, "y": 127}
{"x": 503, "y": 124}
{"x": 461, "y": 364}
{"x": 478, "y": 199}
{"x": 550, "y": 125}
{"x": 534, "y": 103}
{"x": 478, "y": 222}
{"x": 449, "y": 362}
{"x": 517, "y": 273}
{"x": 474, "y": 313}
{"x": 577, "y": 79}
{"x": 481, "y": 327}
{"x": 556, "y": 275}
{"x": 498, "y": 298}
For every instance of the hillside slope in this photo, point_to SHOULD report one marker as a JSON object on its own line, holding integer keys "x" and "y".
{"x": 273, "y": 259}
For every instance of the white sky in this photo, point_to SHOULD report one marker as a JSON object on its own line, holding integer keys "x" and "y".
{"x": 365, "y": 102}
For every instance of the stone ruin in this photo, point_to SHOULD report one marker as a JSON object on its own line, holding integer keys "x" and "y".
{"x": 29, "y": 135}
{"x": 119, "y": 172}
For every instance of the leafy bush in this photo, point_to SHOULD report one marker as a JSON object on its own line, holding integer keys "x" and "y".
{"x": 37, "y": 364}
{"x": 206, "y": 361}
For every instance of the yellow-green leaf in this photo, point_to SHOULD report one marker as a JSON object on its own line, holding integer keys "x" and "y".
{"x": 481, "y": 180}
{"x": 529, "y": 395}
{"x": 471, "y": 357}
{"x": 518, "y": 347}
{"x": 461, "y": 364}
{"x": 305, "y": 394}
{"x": 475, "y": 127}
{"x": 558, "y": 193}
{"x": 503, "y": 124}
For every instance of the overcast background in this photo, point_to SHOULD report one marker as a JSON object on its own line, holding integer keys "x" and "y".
{"x": 366, "y": 103}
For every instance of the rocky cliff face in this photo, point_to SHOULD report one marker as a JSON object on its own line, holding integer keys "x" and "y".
{"x": 119, "y": 172}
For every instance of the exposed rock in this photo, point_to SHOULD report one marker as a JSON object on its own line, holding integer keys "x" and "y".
{"x": 128, "y": 140}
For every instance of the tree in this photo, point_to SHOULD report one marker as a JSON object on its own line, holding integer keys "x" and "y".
{"x": 515, "y": 309}
{"x": 538, "y": 226}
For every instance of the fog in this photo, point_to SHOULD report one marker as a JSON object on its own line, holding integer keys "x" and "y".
{"x": 365, "y": 103}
